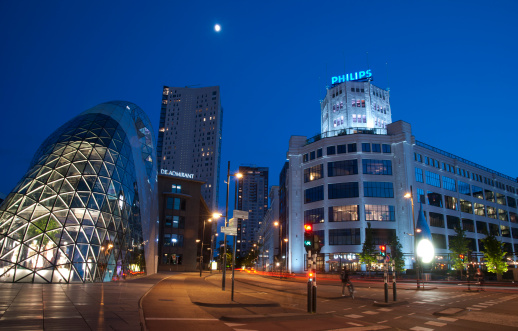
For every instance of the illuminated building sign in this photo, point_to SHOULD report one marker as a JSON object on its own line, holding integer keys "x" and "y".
{"x": 344, "y": 256}
{"x": 351, "y": 76}
{"x": 176, "y": 174}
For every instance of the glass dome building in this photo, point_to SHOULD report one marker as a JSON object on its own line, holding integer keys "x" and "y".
{"x": 85, "y": 211}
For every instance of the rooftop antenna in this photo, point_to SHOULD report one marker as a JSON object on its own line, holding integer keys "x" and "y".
{"x": 368, "y": 67}
{"x": 388, "y": 81}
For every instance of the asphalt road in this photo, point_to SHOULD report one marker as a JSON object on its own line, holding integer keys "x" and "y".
{"x": 266, "y": 303}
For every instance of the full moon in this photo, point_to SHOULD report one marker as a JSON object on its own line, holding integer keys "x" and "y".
{"x": 217, "y": 28}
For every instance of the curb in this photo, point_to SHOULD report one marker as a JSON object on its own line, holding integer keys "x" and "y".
{"x": 270, "y": 317}
{"x": 390, "y": 304}
{"x": 141, "y": 309}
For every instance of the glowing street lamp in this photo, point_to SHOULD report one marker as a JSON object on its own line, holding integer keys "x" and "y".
{"x": 423, "y": 236}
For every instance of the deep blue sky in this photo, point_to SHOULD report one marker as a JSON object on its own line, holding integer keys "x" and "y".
{"x": 452, "y": 67}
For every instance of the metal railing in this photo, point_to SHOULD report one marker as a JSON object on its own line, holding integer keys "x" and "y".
{"x": 344, "y": 132}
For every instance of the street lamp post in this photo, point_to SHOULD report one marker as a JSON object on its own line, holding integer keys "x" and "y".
{"x": 201, "y": 249}
{"x": 279, "y": 224}
{"x": 410, "y": 195}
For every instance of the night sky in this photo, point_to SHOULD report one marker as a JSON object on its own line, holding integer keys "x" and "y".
{"x": 452, "y": 68}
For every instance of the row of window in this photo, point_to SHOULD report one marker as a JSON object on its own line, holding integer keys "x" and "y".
{"x": 351, "y": 213}
{"x": 347, "y": 148}
{"x": 348, "y": 167}
{"x": 450, "y": 184}
{"x": 175, "y": 203}
{"x": 462, "y": 172}
{"x": 350, "y": 190}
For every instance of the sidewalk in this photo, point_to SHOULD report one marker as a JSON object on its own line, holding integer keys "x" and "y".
{"x": 187, "y": 301}
{"x": 92, "y": 306}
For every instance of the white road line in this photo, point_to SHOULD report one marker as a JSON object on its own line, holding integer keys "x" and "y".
{"x": 354, "y": 316}
{"x": 411, "y": 314}
{"x": 179, "y": 319}
{"x": 397, "y": 317}
{"x": 385, "y": 309}
{"x": 370, "y": 312}
{"x": 447, "y": 319}
{"x": 233, "y": 324}
{"x": 420, "y": 328}
{"x": 473, "y": 308}
{"x": 382, "y": 322}
{"x": 354, "y": 324}
{"x": 435, "y": 323}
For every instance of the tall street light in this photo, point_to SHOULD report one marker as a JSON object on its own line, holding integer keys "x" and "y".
{"x": 279, "y": 224}
{"x": 218, "y": 215}
{"x": 410, "y": 195}
{"x": 201, "y": 248}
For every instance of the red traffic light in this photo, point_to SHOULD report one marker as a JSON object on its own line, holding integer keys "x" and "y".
{"x": 308, "y": 227}
{"x": 383, "y": 248}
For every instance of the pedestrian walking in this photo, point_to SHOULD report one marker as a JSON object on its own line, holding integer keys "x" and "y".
{"x": 480, "y": 276}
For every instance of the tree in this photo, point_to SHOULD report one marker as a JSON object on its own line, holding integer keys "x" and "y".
{"x": 397, "y": 253}
{"x": 458, "y": 245}
{"x": 494, "y": 254}
{"x": 229, "y": 253}
{"x": 368, "y": 253}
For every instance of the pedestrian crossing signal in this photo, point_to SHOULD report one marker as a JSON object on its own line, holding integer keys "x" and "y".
{"x": 383, "y": 250}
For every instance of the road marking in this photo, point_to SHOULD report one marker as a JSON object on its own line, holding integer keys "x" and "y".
{"x": 385, "y": 309}
{"x": 382, "y": 322}
{"x": 362, "y": 306}
{"x": 479, "y": 306}
{"x": 411, "y": 314}
{"x": 472, "y": 308}
{"x": 370, "y": 312}
{"x": 233, "y": 324}
{"x": 180, "y": 319}
{"x": 420, "y": 328}
{"x": 354, "y": 316}
{"x": 332, "y": 311}
{"x": 397, "y": 317}
{"x": 448, "y": 319}
{"x": 347, "y": 308}
{"x": 354, "y": 324}
{"x": 421, "y": 302}
{"x": 435, "y": 323}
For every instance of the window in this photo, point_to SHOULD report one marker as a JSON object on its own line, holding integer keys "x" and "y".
{"x": 176, "y": 188}
{"x": 502, "y": 215}
{"x": 419, "y": 175}
{"x": 434, "y": 199}
{"x": 386, "y": 148}
{"x": 420, "y": 196}
{"x": 378, "y": 189}
{"x": 479, "y": 209}
{"x": 344, "y": 213}
{"x": 490, "y": 195}
{"x": 314, "y": 216}
{"x": 500, "y": 199}
{"x": 478, "y": 192}
{"x": 313, "y": 173}
{"x": 344, "y": 237}
{"x": 178, "y": 222}
{"x": 436, "y": 220}
{"x": 468, "y": 225}
{"x": 491, "y": 212}
{"x": 342, "y": 168}
{"x": 433, "y": 179}
{"x": 450, "y": 202}
{"x": 168, "y": 220}
{"x": 377, "y": 167}
{"x": 321, "y": 236}
{"x": 464, "y": 188}
{"x": 452, "y": 222}
{"x": 466, "y": 206}
{"x": 170, "y": 203}
{"x": 481, "y": 227}
{"x": 511, "y": 202}
{"x": 494, "y": 229}
{"x": 376, "y": 148}
{"x": 331, "y": 150}
{"x": 319, "y": 152}
{"x": 305, "y": 157}
{"x": 439, "y": 240}
{"x": 343, "y": 190}
{"x": 341, "y": 149}
{"x": 504, "y": 229}
{"x": 314, "y": 194}
{"x": 513, "y": 217}
{"x": 351, "y": 148}
{"x": 366, "y": 147}
{"x": 380, "y": 213}
{"x": 312, "y": 155}
{"x": 448, "y": 184}
{"x": 176, "y": 240}
{"x": 418, "y": 157}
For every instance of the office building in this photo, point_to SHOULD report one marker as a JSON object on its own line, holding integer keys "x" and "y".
{"x": 85, "y": 211}
{"x": 269, "y": 257}
{"x": 342, "y": 179}
{"x": 252, "y": 197}
{"x": 189, "y": 137}
{"x": 184, "y": 224}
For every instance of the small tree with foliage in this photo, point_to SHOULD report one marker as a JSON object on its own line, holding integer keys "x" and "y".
{"x": 368, "y": 253}
{"x": 397, "y": 253}
{"x": 494, "y": 254}
{"x": 458, "y": 245}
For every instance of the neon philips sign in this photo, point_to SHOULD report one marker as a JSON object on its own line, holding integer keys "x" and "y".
{"x": 351, "y": 76}
{"x": 176, "y": 174}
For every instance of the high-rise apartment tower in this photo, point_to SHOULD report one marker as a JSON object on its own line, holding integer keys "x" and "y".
{"x": 252, "y": 197}
{"x": 189, "y": 138}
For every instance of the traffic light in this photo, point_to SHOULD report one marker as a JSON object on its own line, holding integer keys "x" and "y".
{"x": 383, "y": 250}
{"x": 309, "y": 238}
{"x": 311, "y": 276}
{"x": 461, "y": 257}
